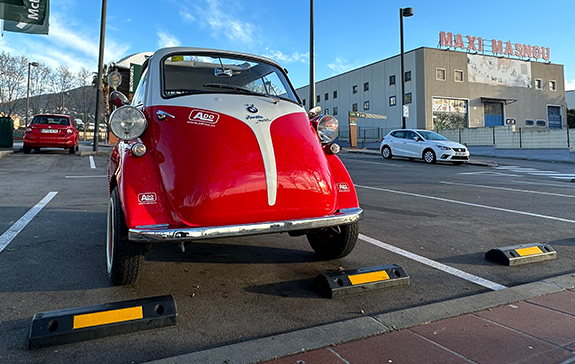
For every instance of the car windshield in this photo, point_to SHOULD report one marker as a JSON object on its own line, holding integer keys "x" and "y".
{"x": 429, "y": 135}
{"x": 193, "y": 74}
{"x": 50, "y": 120}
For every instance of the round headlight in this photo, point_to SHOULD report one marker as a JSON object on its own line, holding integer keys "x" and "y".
{"x": 327, "y": 128}
{"x": 128, "y": 122}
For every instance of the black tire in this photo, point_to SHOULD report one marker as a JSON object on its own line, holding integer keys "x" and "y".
{"x": 124, "y": 258}
{"x": 429, "y": 156}
{"x": 334, "y": 242}
{"x": 72, "y": 149}
{"x": 26, "y": 149}
{"x": 386, "y": 152}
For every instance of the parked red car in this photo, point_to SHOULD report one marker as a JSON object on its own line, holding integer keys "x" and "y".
{"x": 51, "y": 131}
{"x": 217, "y": 144}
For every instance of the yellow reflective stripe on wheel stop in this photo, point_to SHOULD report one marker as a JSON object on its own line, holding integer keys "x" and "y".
{"x": 529, "y": 251}
{"x": 108, "y": 317}
{"x": 368, "y": 277}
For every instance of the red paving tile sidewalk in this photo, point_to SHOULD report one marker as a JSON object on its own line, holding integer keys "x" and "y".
{"x": 535, "y": 331}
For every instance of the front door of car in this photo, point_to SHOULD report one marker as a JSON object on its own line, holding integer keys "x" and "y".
{"x": 412, "y": 147}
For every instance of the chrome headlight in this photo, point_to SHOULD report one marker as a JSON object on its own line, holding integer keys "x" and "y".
{"x": 128, "y": 122}
{"x": 327, "y": 128}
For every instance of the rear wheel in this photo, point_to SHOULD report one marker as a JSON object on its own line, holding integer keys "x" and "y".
{"x": 26, "y": 149}
{"x": 124, "y": 258}
{"x": 386, "y": 152}
{"x": 72, "y": 149}
{"x": 334, "y": 242}
{"x": 429, "y": 156}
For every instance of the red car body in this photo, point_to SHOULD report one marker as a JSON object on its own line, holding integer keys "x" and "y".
{"x": 51, "y": 131}
{"x": 222, "y": 163}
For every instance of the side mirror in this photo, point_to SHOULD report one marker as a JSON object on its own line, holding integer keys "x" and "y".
{"x": 314, "y": 112}
{"x": 119, "y": 99}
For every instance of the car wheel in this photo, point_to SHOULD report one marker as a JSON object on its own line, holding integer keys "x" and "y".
{"x": 26, "y": 149}
{"x": 386, "y": 152}
{"x": 124, "y": 258}
{"x": 72, "y": 149}
{"x": 334, "y": 242}
{"x": 429, "y": 156}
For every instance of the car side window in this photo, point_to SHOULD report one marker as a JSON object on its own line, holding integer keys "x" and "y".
{"x": 399, "y": 134}
{"x": 138, "y": 98}
{"x": 410, "y": 135}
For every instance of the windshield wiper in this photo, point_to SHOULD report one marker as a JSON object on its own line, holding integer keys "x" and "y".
{"x": 240, "y": 88}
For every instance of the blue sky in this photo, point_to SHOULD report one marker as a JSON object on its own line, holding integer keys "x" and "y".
{"x": 349, "y": 34}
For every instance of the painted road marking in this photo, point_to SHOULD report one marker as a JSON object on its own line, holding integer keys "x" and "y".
{"x": 492, "y": 174}
{"x": 509, "y": 189}
{"x": 92, "y": 163}
{"x": 442, "y": 267}
{"x": 468, "y": 204}
{"x": 563, "y": 185}
{"x": 86, "y": 176}
{"x": 378, "y": 163}
{"x": 19, "y": 225}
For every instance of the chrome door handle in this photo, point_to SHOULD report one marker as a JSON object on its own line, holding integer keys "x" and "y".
{"x": 162, "y": 115}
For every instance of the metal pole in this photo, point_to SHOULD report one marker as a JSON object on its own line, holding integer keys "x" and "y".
{"x": 28, "y": 94}
{"x": 402, "y": 68}
{"x": 100, "y": 72}
{"x": 311, "y": 59}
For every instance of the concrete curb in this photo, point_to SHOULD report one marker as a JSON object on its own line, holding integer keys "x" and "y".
{"x": 86, "y": 153}
{"x": 475, "y": 162}
{"x": 273, "y": 347}
{"x": 5, "y": 152}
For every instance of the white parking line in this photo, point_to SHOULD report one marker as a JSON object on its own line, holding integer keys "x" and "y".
{"x": 15, "y": 229}
{"x": 92, "y": 163}
{"x": 509, "y": 189}
{"x": 563, "y": 185}
{"x": 86, "y": 176}
{"x": 442, "y": 267}
{"x": 469, "y": 204}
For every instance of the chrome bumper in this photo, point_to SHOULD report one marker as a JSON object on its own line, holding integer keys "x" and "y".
{"x": 159, "y": 234}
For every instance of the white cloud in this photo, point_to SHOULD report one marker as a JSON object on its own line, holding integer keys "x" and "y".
{"x": 286, "y": 58}
{"x": 570, "y": 85}
{"x": 185, "y": 14}
{"x": 340, "y": 66}
{"x": 224, "y": 23}
{"x": 167, "y": 39}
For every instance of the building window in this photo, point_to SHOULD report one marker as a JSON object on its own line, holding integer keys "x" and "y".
{"x": 392, "y": 101}
{"x": 335, "y": 94}
{"x": 318, "y": 99}
{"x": 326, "y": 96}
{"x": 354, "y": 107}
{"x": 541, "y": 123}
{"x": 366, "y": 86}
{"x": 458, "y": 76}
{"x": 408, "y": 98}
{"x": 539, "y": 84}
{"x": 366, "y": 105}
{"x": 407, "y": 76}
{"x": 326, "y": 112}
{"x": 529, "y": 123}
{"x": 553, "y": 85}
{"x": 392, "y": 80}
{"x": 335, "y": 110}
{"x": 440, "y": 74}
{"x": 354, "y": 89}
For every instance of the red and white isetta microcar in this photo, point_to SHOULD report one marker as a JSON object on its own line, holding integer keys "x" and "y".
{"x": 217, "y": 144}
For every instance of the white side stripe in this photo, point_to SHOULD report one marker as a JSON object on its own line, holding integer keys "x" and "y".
{"x": 445, "y": 268}
{"x": 92, "y": 163}
{"x": 19, "y": 225}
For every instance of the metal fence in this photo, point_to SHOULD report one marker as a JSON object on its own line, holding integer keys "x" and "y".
{"x": 510, "y": 137}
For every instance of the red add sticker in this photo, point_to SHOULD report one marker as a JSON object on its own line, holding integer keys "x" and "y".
{"x": 147, "y": 198}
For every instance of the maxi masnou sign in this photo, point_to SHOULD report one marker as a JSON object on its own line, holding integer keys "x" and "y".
{"x": 470, "y": 43}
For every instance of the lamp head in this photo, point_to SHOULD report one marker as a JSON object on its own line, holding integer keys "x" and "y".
{"x": 407, "y": 12}
{"x": 35, "y": 64}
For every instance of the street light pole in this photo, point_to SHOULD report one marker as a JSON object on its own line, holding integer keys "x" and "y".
{"x": 311, "y": 59}
{"x": 100, "y": 71}
{"x": 35, "y": 64}
{"x": 403, "y": 12}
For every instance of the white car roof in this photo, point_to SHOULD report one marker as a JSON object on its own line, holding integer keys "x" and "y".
{"x": 160, "y": 53}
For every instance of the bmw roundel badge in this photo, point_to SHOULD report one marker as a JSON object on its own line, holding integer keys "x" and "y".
{"x": 252, "y": 109}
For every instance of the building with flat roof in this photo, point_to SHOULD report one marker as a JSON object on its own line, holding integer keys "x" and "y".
{"x": 445, "y": 89}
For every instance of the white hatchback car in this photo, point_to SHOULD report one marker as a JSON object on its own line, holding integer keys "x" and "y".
{"x": 424, "y": 144}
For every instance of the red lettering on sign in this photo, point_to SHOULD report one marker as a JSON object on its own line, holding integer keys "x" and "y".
{"x": 536, "y": 52}
{"x": 446, "y": 40}
{"x": 546, "y": 53}
{"x": 496, "y": 46}
{"x": 459, "y": 42}
{"x": 471, "y": 43}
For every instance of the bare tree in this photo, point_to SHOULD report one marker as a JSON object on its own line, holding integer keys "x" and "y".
{"x": 84, "y": 98}
{"x": 13, "y": 76}
{"x": 63, "y": 82}
{"x": 40, "y": 78}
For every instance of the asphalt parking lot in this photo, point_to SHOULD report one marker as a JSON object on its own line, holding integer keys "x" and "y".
{"x": 436, "y": 221}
